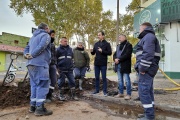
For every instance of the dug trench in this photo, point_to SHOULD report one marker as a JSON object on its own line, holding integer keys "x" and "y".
{"x": 19, "y": 97}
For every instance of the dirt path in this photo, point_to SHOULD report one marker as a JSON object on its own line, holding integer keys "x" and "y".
{"x": 72, "y": 110}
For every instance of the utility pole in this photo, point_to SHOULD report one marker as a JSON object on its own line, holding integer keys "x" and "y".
{"x": 117, "y": 25}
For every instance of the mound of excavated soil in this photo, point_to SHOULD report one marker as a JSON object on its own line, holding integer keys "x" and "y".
{"x": 14, "y": 96}
{"x": 19, "y": 96}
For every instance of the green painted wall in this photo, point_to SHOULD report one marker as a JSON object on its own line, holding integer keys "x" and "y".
{"x": 150, "y": 14}
{"x": 173, "y": 75}
{"x": 2, "y": 60}
{"x": 8, "y": 39}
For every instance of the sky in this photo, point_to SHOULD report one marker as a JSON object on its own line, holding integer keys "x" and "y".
{"x": 21, "y": 25}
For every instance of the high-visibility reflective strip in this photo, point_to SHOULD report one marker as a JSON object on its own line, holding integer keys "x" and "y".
{"x": 145, "y": 65}
{"x": 74, "y": 73}
{"x": 69, "y": 57}
{"x": 33, "y": 99}
{"x": 40, "y": 100}
{"x": 61, "y": 57}
{"x": 157, "y": 54}
{"x": 145, "y": 61}
{"x": 153, "y": 102}
{"x": 139, "y": 53}
{"x": 51, "y": 87}
{"x": 147, "y": 105}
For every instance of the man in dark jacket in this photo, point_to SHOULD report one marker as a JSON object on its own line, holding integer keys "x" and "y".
{"x": 102, "y": 49}
{"x": 65, "y": 66}
{"x": 81, "y": 63}
{"x": 122, "y": 59}
{"x": 38, "y": 53}
{"x": 148, "y": 54}
{"x": 52, "y": 67}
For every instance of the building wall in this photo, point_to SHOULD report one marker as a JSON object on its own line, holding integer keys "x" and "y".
{"x": 146, "y": 3}
{"x": 13, "y": 40}
{"x": 2, "y": 61}
{"x": 172, "y": 57}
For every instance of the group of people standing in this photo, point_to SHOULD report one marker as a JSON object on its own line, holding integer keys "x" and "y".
{"x": 44, "y": 60}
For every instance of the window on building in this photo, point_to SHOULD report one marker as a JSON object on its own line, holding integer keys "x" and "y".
{"x": 16, "y": 41}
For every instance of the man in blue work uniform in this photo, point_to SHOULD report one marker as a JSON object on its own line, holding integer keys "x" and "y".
{"x": 38, "y": 54}
{"x": 148, "y": 54}
{"x": 65, "y": 68}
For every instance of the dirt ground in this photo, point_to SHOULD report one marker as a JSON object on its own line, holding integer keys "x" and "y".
{"x": 73, "y": 110}
{"x": 15, "y": 104}
{"x": 19, "y": 96}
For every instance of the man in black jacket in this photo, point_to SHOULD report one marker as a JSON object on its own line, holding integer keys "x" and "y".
{"x": 52, "y": 67}
{"x": 102, "y": 49}
{"x": 122, "y": 58}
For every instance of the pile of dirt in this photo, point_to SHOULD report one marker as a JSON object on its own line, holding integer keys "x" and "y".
{"x": 14, "y": 96}
{"x": 89, "y": 84}
{"x": 19, "y": 96}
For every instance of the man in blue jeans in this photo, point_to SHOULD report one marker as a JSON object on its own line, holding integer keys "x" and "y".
{"x": 102, "y": 49}
{"x": 122, "y": 58}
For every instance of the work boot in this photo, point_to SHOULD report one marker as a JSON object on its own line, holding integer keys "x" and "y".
{"x": 127, "y": 97}
{"x": 41, "y": 110}
{"x": 49, "y": 96}
{"x": 61, "y": 95}
{"x": 32, "y": 109}
{"x": 73, "y": 94}
{"x": 80, "y": 84}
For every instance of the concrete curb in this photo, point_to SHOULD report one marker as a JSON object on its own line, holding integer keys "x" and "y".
{"x": 163, "y": 107}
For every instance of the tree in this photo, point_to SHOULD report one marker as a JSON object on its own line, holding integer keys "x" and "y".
{"x": 126, "y": 21}
{"x": 66, "y": 17}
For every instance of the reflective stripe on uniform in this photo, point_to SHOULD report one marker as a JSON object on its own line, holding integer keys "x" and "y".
{"x": 69, "y": 57}
{"x": 153, "y": 102}
{"x": 145, "y": 65}
{"x": 147, "y": 105}
{"x": 157, "y": 54}
{"x": 40, "y": 100}
{"x": 33, "y": 99}
{"x": 145, "y": 61}
{"x": 139, "y": 53}
{"x": 61, "y": 57}
{"x": 51, "y": 87}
